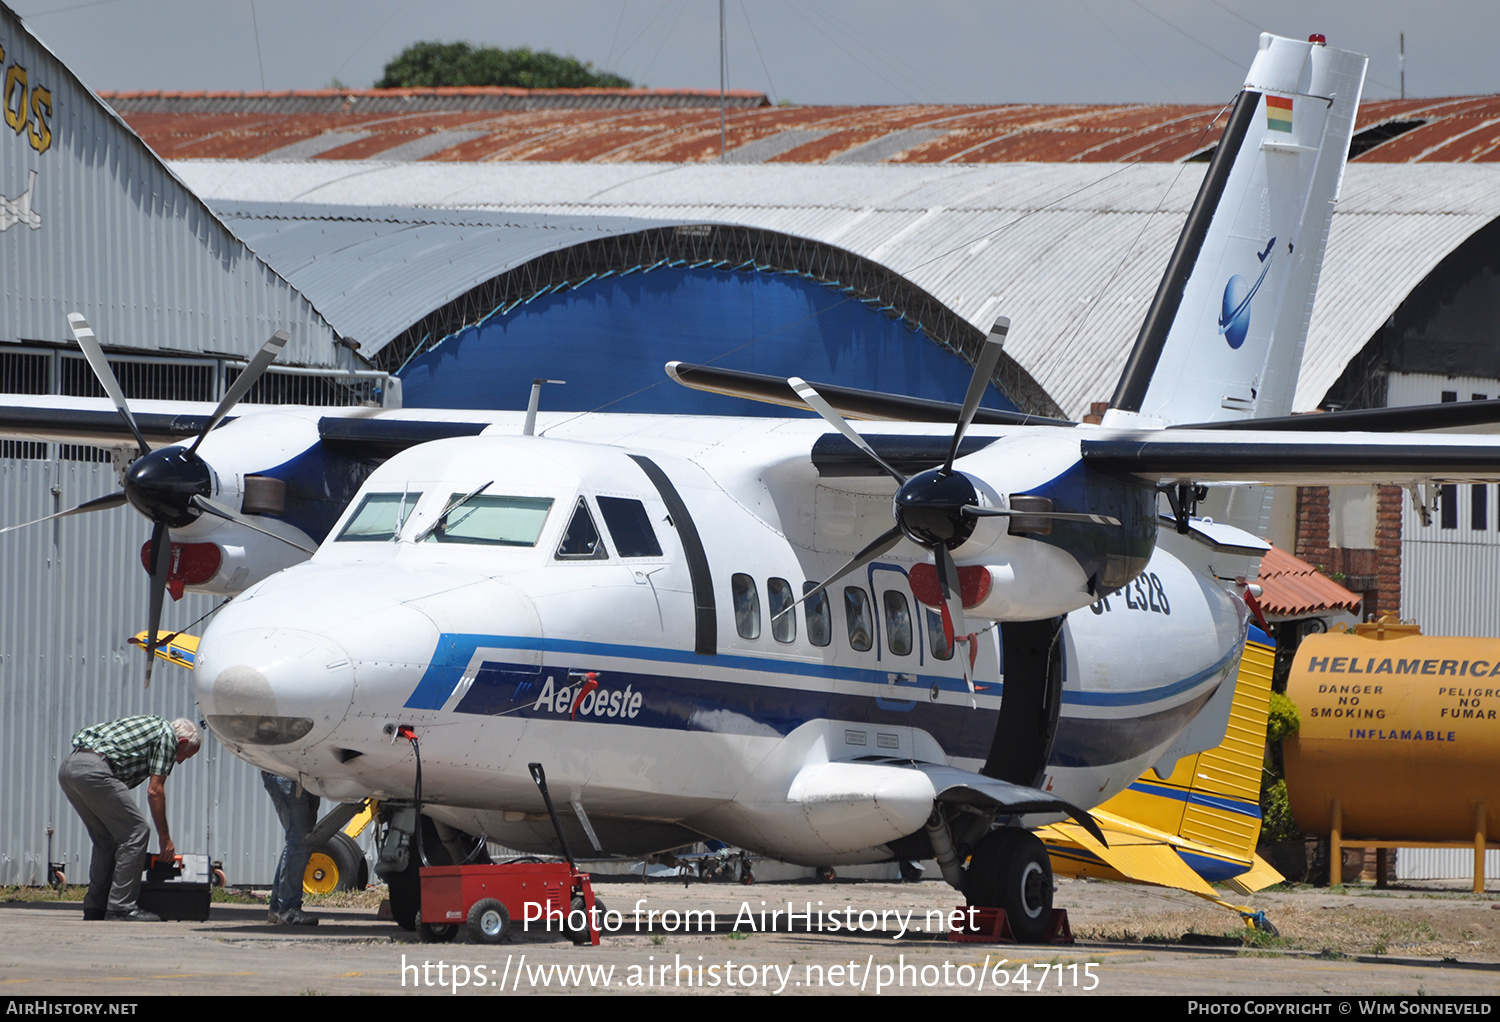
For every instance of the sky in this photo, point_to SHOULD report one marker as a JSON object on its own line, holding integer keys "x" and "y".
{"x": 803, "y": 51}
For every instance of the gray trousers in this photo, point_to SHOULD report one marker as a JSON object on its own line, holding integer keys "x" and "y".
{"x": 117, "y": 826}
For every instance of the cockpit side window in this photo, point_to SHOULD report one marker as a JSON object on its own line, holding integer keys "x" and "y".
{"x": 379, "y": 517}
{"x": 629, "y": 526}
{"x": 492, "y": 520}
{"x": 582, "y": 541}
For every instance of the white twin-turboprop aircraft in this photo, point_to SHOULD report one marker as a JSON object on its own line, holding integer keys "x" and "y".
{"x": 760, "y": 630}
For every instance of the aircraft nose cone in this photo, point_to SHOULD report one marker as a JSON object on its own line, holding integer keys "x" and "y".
{"x": 273, "y": 686}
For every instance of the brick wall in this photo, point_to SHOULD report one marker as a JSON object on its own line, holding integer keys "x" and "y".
{"x": 1374, "y": 573}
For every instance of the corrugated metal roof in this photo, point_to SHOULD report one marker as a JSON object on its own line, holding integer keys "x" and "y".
{"x": 1072, "y": 253}
{"x": 350, "y": 101}
{"x": 586, "y": 125}
{"x": 1290, "y": 587}
{"x": 374, "y": 272}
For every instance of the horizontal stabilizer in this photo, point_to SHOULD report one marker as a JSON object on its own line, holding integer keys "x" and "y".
{"x": 1261, "y": 875}
{"x": 1134, "y": 857}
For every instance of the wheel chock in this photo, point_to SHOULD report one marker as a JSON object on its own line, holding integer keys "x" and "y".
{"x": 990, "y": 926}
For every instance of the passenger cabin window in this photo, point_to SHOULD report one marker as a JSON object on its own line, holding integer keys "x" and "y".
{"x": 629, "y": 526}
{"x": 819, "y": 616}
{"x": 937, "y": 641}
{"x": 897, "y": 622}
{"x": 489, "y": 520}
{"x": 581, "y": 542}
{"x": 783, "y": 626}
{"x": 746, "y": 606}
{"x": 379, "y": 517}
{"x": 857, "y": 615}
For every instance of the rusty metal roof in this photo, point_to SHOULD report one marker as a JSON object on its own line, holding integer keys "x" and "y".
{"x": 1290, "y": 587}
{"x": 682, "y": 126}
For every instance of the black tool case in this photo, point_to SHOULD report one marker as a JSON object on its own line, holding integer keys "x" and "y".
{"x": 179, "y": 890}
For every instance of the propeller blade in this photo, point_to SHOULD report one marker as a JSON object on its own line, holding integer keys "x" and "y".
{"x": 833, "y": 418}
{"x": 876, "y": 547}
{"x": 984, "y": 369}
{"x": 161, "y": 570}
{"x": 97, "y": 504}
{"x": 202, "y": 503}
{"x": 105, "y": 375}
{"x": 1061, "y": 516}
{"x": 242, "y": 384}
{"x": 953, "y": 603}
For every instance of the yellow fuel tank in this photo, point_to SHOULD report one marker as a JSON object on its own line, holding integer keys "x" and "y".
{"x": 1403, "y": 730}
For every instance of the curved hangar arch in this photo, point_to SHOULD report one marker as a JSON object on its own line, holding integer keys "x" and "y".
{"x": 605, "y": 314}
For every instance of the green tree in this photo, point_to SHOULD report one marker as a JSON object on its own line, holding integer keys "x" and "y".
{"x": 429, "y": 65}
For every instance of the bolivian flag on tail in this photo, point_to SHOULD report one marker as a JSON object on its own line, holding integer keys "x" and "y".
{"x": 1278, "y": 113}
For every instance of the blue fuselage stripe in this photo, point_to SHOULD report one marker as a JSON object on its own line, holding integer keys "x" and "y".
{"x": 680, "y": 700}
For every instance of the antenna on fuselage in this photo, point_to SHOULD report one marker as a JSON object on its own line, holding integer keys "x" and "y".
{"x": 536, "y": 396}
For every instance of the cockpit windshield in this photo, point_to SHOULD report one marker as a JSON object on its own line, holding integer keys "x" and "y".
{"x": 493, "y": 520}
{"x": 379, "y": 518}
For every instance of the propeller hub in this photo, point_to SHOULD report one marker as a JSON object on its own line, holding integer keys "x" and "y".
{"x": 929, "y": 508}
{"x": 162, "y": 485}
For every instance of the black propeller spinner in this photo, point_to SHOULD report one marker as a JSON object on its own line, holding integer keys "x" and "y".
{"x": 169, "y": 486}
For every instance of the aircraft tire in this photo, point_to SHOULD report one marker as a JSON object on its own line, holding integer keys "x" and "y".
{"x": 338, "y": 865}
{"x": 405, "y": 887}
{"x": 488, "y": 922}
{"x": 1011, "y": 870}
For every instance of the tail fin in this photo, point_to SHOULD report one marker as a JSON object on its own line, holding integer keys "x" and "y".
{"x": 1223, "y": 337}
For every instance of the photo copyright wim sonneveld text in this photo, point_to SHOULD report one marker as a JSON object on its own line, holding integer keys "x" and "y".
{"x": 698, "y": 972}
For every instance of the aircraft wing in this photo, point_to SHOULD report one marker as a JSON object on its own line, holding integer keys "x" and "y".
{"x": 1294, "y": 458}
{"x": 965, "y": 787}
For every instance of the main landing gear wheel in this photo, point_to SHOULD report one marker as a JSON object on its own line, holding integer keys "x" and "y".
{"x": 1011, "y": 870}
{"x": 488, "y": 922}
{"x": 826, "y": 875}
{"x": 337, "y": 866}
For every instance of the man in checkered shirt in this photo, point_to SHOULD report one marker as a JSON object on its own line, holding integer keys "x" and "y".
{"x": 107, "y": 761}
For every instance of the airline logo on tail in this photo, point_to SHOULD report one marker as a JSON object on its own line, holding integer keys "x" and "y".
{"x": 1234, "y": 319}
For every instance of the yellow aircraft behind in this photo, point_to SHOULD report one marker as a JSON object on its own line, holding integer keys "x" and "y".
{"x": 1197, "y": 826}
